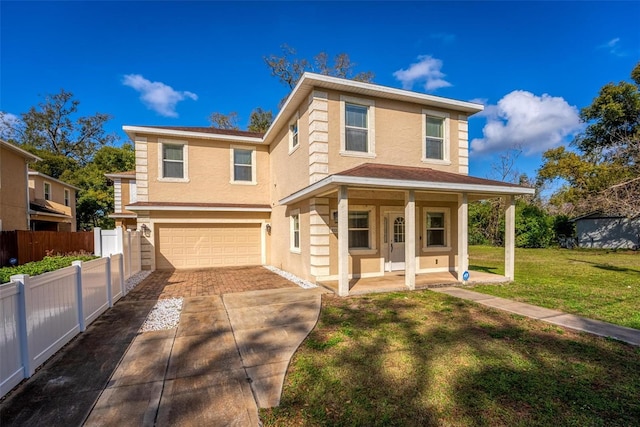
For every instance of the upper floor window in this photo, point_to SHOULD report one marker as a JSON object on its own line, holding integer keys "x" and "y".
{"x": 357, "y": 136}
{"x": 67, "y": 197}
{"x": 436, "y": 137}
{"x": 173, "y": 161}
{"x": 293, "y": 133}
{"x": 356, "y": 128}
{"x": 47, "y": 191}
{"x": 243, "y": 165}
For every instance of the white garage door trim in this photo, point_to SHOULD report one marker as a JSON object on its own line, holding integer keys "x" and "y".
{"x": 172, "y": 221}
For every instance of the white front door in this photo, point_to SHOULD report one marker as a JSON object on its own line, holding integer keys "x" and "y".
{"x": 395, "y": 245}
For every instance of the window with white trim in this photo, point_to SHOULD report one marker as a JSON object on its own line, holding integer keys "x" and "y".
{"x": 435, "y": 145}
{"x": 173, "y": 161}
{"x": 295, "y": 231}
{"x": 359, "y": 230}
{"x": 47, "y": 191}
{"x": 436, "y": 228}
{"x": 67, "y": 197}
{"x": 357, "y": 121}
{"x": 243, "y": 165}
{"x": 293, "y": 133}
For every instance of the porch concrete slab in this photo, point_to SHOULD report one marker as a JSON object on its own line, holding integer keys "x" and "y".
{"x": 271, "y": 296}
{"x": 201, "y": 354}
{"x": 222, "y": 400}
{"x": 265, "y": 345}
{"x": 596, "y": 327}
{"x": 145, "y": 362}
{"x": 267, "y": 382}
{"x": 128, "y": 405}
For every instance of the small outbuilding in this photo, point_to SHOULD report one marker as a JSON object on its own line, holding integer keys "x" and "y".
{"x": 607, "y": 231}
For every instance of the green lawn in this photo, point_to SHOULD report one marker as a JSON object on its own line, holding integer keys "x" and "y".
{"x": 598, "y": 284}
{"x": 422, "y": 359}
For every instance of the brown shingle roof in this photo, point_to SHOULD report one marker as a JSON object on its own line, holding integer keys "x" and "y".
{"x": 211, "y": 130}
{"x": 407, "y": 173}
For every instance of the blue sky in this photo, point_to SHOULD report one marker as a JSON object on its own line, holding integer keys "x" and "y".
{"x": 533, "y": 65}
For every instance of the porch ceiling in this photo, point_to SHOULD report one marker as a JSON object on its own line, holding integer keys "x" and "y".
{"x": 389, "y": 177}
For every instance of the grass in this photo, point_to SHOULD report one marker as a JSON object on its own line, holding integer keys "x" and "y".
{"x": 597, "y": 284}
{"x": 422, "y": 359}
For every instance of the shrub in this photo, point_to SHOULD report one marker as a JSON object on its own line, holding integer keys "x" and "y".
{"x": 49, "y": 263}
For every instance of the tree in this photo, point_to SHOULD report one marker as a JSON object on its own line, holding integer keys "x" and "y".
{"x": 289, "y": 69}
{"x": 54, "y": 129}
{"x": 260, "y": 120}
{"x": 602, "y": 172}
{"x": 224, "y": 121}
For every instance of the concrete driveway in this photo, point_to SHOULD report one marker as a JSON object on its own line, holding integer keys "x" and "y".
{"x": 238, "y": 329}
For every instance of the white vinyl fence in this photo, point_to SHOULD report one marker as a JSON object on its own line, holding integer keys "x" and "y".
{"x": 40, "y": 314}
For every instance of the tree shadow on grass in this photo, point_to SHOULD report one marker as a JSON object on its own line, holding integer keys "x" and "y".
{"x": 420, "y": 359}
{"x": 484, "y": 269}
{"x": 607, "y": 267}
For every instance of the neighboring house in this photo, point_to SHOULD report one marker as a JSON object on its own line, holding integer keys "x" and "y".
{"x": 14, "y": 185}
{"x": 52, "y": 203}
{"x": 597, "y": 230}
{"x": 124, "y": 193}
{"x": 352, "y": 179}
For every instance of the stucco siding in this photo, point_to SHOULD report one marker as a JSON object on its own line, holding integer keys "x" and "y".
{"x": 13, "y": 191}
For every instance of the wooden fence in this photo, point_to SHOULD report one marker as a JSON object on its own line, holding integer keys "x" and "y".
{"x": 29, "y": 246}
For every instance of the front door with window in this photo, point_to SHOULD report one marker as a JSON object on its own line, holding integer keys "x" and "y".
{"x": 394, "y": 259}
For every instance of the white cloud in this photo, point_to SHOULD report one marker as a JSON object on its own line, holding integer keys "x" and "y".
{"x": 157, "y": 96}
{"x": 532, "y": 123}
{"x": 613, "y": 46}
{"x": 8, "y": 123}
{"x": 426, "y": 70}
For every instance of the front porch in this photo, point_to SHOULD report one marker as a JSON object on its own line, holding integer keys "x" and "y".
{"x": 395, "y": 282}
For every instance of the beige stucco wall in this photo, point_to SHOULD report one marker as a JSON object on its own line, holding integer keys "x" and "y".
{"x": 209, "y": 173}
{"x": 13, "y": 191}
{"x": 398, "y": 136}
{"x": 281, "y": 254}
{"x": 125, "y": 191}
{"x": 290, "y": 170}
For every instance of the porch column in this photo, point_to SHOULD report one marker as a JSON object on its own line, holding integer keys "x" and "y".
{"x": 509, "y": 237}
{"x": 463, "y": 235}
{"x": 343, "y": 241}
{"x": 410, "y": 239}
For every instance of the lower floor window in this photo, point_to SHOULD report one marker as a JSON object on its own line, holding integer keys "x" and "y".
{"x": 359, "y": 230}
{"x": 295, "y": 231}
{"x": 436, "y": 232}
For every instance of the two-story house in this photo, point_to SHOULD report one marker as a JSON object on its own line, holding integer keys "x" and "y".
{"x": 351, "y": 180}
{"x": 52, "y": 203}
{"x": 14, "y": 184}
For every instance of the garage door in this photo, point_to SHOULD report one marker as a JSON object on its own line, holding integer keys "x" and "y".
{"x": 207, "y": 245}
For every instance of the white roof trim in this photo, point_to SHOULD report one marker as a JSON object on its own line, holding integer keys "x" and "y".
{"x": 19, "y": 151}
{"x": 383, "y": 183}
{"x": 50, "y": 178}
{"x": 123, "y": 215}
{"x": 130, "y": 130}
{"x": 310, "y": 81}
{"x": 196, "y": 208}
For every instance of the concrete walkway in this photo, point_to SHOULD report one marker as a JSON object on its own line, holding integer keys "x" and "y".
{"x": 596, "y": 327}
{"x": 227, "y": 357}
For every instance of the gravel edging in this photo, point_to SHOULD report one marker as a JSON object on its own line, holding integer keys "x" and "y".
{"x": 164, "y": 315}
{"x": 134, "y": 280}
{"x": 305, "y": 284}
